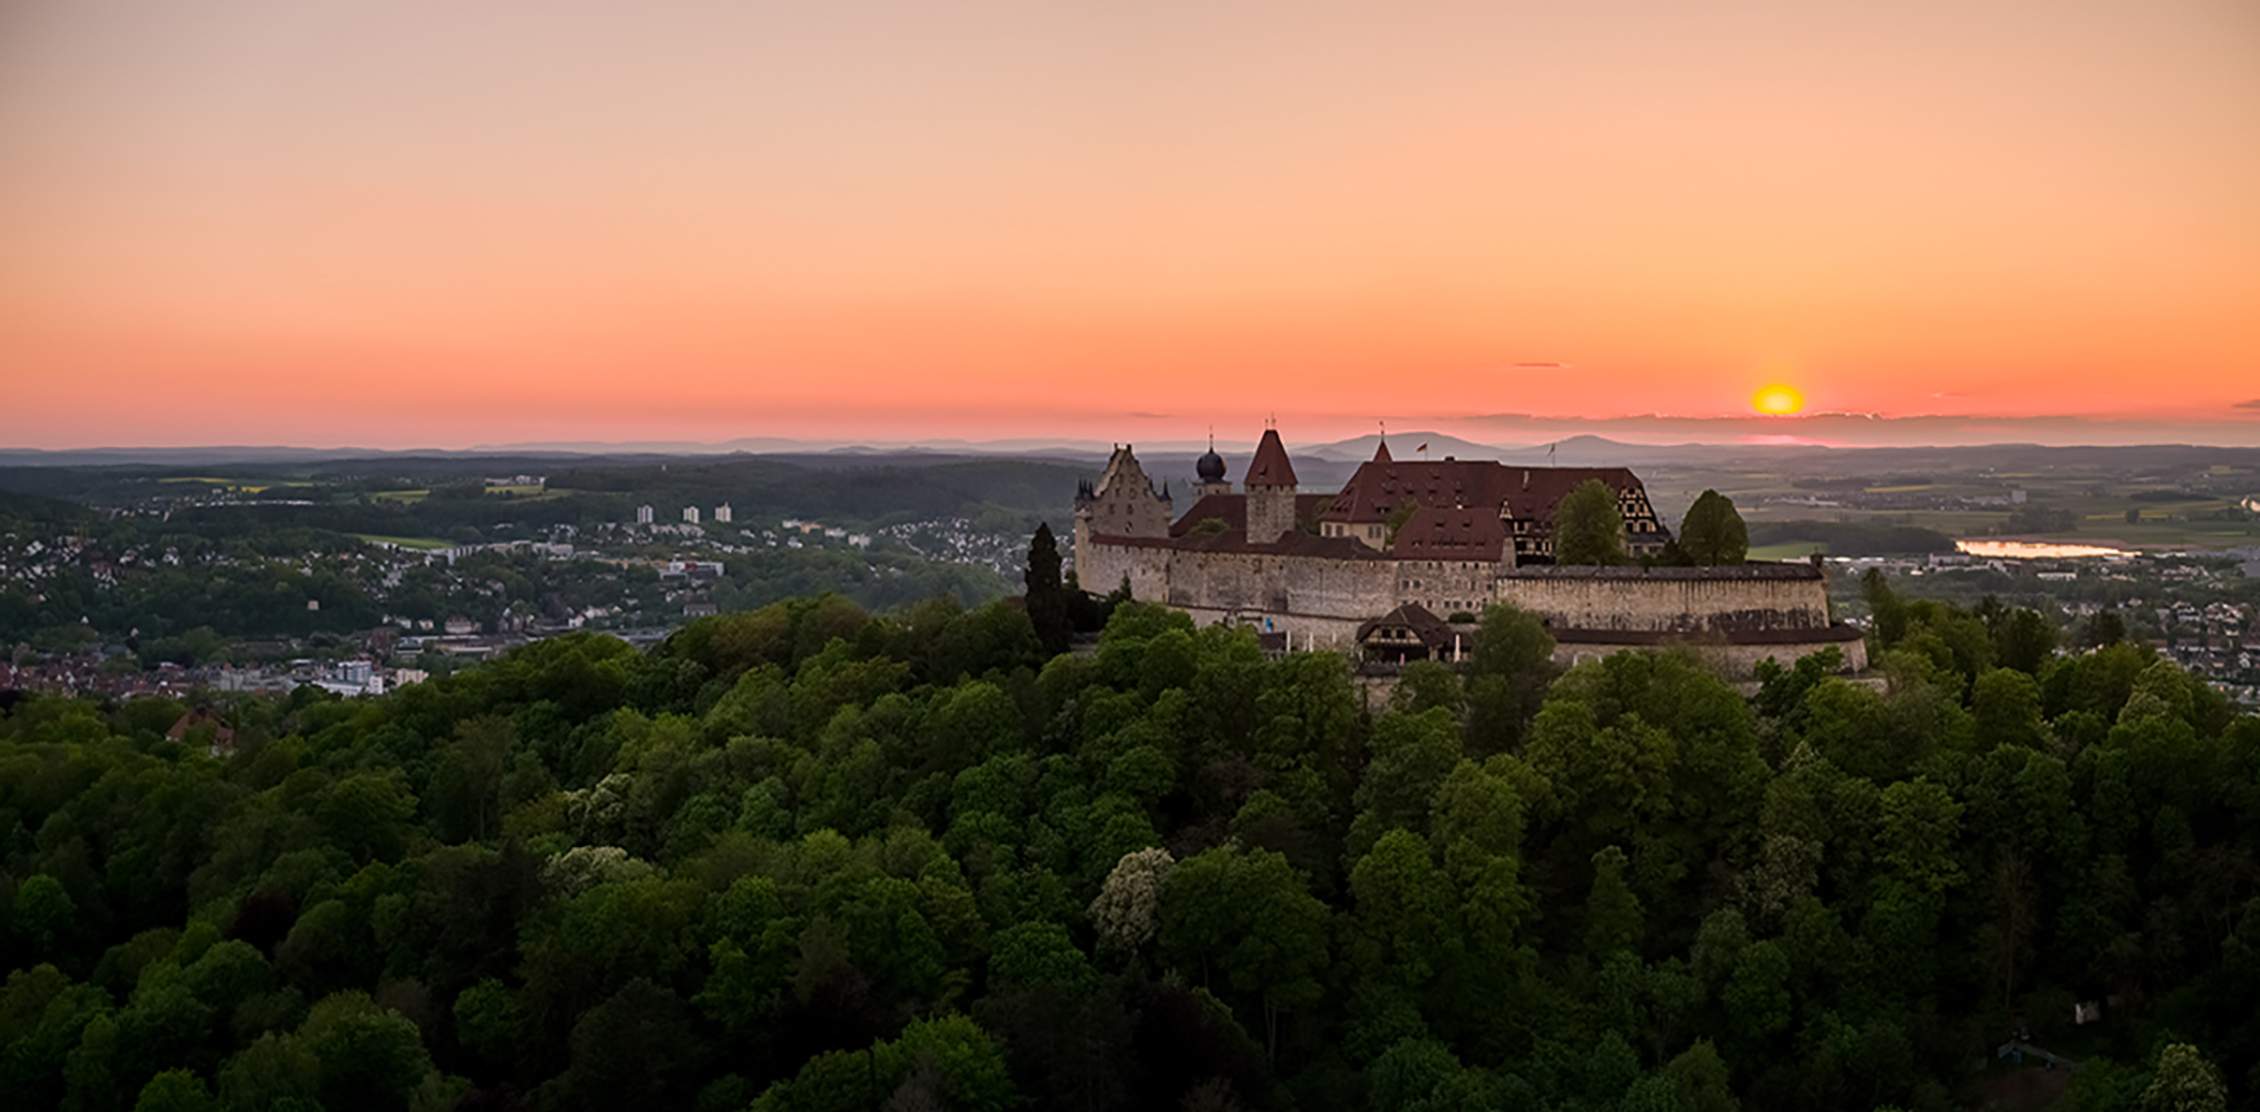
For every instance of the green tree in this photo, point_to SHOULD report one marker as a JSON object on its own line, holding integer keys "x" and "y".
{"x": 947, "y": 1062}
{"x": 175, "y": 1091}
{"x": 1612, "y": 912}
{"x": 1246, "y": 916}
{"x": 2023, "y": 640}
{"x": 44, "y": 913}
{"x": 1713, "y": 532}
{"x": 1507, "y": 674}
{"x": 1757, "y": 996}
{"x": 2184, "y": 1082}
{"x": 1046, "y": 598}
{"x": 371, "y": 1058}
{"x": 1885, "y": 607}
{"x": 2105, "y": 628}
{"x": 2006, "y": 706}
{"x": 466, "y": 789}
{"x": 276, "y": 1072}
{"x": 1405, "y": 923}
{"x": 488, "y": 1022}
{"x": 1589, "y": 526}
{"x": 638, "y": 1045}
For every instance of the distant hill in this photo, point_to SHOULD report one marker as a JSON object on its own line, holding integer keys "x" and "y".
{"x": 1402, "y": 445}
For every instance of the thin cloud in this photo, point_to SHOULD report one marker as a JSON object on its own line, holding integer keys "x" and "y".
{"x": 2253, "y": 404}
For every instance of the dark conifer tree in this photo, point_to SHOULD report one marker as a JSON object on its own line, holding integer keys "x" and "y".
{"x": 1046, "y": 597}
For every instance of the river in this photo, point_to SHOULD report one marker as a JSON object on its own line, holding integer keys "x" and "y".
{"x": 2038, "y": 550}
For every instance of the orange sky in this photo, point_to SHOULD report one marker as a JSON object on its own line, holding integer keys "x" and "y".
{"x": 447, "y": 224}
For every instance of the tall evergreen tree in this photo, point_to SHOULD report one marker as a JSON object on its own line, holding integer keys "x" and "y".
{"x": 1588, "y": 526}
{"x": 1713, "y": 532}
{"x": 1046, "y": 598}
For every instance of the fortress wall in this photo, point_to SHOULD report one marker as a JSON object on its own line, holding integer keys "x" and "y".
{"x": 1354, "y": 589}
{"x": 1101, "y": 568}
{"x": 1737, "y": 662}
{"x": 1446, "y": 587}
{"x": 1348, "y": 589}
{"x": 1688, "y": 604}
{"x": 1304, "y": 631}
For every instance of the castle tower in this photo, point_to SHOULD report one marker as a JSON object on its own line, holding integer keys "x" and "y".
{"x": 1270, "y": 485}
{"x": 1208, "y": 473}
{"x": 1123, "y": 503}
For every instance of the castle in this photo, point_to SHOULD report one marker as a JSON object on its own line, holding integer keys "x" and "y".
{"x": 1397, "y": 563}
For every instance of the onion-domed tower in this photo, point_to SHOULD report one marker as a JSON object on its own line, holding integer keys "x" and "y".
{"x": 1208, "y": 472}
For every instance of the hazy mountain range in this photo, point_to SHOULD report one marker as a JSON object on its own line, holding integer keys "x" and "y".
{"x": 1174, "y": 458}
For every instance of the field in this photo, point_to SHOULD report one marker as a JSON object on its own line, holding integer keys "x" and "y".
{"x": 527, "y": 492}
{"x": 415, "y": 495}
{"x": 1789, "y": 550}
{"x": 2196, "y": 507}
{"x": 246, "y": 486}
{"x": 423, "y": 543}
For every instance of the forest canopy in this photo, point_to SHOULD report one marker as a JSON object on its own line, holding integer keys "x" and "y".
{"x": 806, "y": 858}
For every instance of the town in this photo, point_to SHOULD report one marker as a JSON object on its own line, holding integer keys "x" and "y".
{"x": 2196, "y": 608}
{"x": 131, "y": 599}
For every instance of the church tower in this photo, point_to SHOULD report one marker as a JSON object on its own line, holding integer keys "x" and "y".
{"x": 1270, "y": 484}
{"x": 1208, "y": 472}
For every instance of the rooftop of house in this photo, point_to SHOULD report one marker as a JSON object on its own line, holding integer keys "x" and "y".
{"x": 1381, "y": 485}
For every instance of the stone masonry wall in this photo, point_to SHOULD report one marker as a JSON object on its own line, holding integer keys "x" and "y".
{"x": 1102, "y": 567}
{"x": 1674, "y": 604}
{"x": 1271, "y": 513}
{"x": 1353, "y": 590}
{"x": 1447, "y": 587}
{"x": 1737, "y": 662}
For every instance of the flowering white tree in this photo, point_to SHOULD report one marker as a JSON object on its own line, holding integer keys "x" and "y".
{"x": 1124, "y": 912}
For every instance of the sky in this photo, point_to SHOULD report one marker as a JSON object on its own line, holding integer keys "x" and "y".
{"x": 396, "y": 225}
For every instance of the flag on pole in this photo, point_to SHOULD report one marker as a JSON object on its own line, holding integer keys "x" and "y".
{"x": 1423, "y": 447}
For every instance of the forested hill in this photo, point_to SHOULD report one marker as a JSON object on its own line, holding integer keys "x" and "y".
{"x": 802, "y": 859}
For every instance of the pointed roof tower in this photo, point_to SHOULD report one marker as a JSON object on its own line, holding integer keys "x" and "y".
{"x": 1270, "y": 467}
{"x": 1381, "y": 451}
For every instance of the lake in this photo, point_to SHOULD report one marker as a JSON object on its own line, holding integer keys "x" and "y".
{"x": 2038, "y": 550}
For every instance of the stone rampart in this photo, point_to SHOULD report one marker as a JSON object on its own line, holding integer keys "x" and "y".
{"x": 1690, "y": 600}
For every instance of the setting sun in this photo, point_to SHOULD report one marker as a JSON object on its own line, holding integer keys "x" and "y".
{"x": 1778, "y": 400}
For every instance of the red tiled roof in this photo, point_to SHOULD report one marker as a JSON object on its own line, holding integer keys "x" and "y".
{"x": 1380, "y": 486}
{"x": 1288, "y": 544}
{"x": 1270, "y": 466}
{"x": 1232, "y": 510}
{"x": 1444, "y": 533}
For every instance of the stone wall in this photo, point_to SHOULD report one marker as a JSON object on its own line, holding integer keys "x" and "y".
{"x": 1309, "y": 589}
{"x": 1743, "y": 615}
{"x": 1304, "y": 632}
{"x": 1447, "y": 587}
{"x": 1734, "y": 661}
{"x": 1690, "y": 600}
{"x": 1324, "y": 599}
{"x": 1271, "y": 513}
{"x": 1101, "y": 567}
